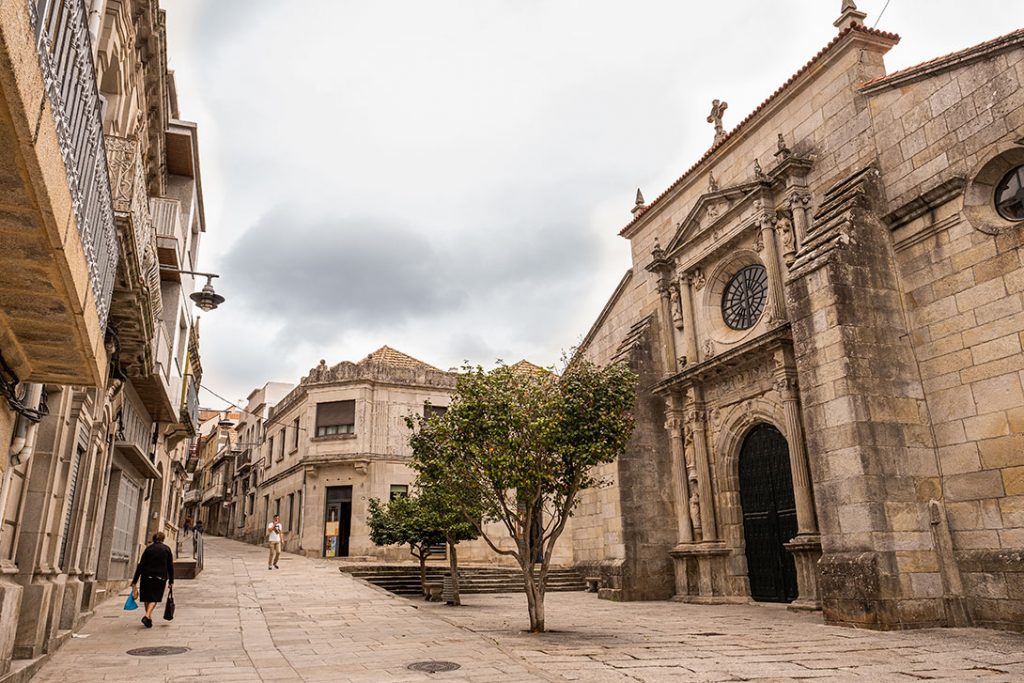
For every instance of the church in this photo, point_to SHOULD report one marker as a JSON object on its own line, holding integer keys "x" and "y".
{"x": 826, "y": 315}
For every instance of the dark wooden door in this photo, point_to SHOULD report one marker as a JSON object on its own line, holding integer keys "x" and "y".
{"x": 769, "y": 514}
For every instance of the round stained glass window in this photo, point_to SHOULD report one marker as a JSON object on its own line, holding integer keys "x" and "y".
{"x": 1010, "y": 195}
{"x": 745, "y": 297}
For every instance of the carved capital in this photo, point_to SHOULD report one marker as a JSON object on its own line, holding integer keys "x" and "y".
{"x": 696, "y": 278}
{"x": 786, "y": 385}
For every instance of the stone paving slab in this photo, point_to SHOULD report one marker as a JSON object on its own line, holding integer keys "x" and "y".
{"x": 600, "y": 640}
{"x": 304, "y": 622}
{"x": 309, "y": 622}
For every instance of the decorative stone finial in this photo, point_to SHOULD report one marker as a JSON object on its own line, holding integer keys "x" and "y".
{"x": 783, "y": 151}
{"x": 658, "y": 254}
{"x": 849, "y": 16}
{"x": 718, "y": 108}
{"x": 712, "y": 183}
{"x": 639, "y": 206}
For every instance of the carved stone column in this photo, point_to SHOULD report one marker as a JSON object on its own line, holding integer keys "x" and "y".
{"x": 806, "y": 546}
{"x": 667, "y": 330}
{"x": 680, "y": 496}
{"x": 776, "y": 302}
{"x": 689, "y": 329}
{"x": 698, "y": 425}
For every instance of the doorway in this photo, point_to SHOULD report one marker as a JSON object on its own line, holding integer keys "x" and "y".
{"x": 337, "y": 521}
{"x": 769, "y": 514}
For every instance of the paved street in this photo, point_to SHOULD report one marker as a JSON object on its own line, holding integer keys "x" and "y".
{"x": 309, "y": 622}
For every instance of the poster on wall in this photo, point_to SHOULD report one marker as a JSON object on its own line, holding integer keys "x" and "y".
{"x": 331, "y": 543}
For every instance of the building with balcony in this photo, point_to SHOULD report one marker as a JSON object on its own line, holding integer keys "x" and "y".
{"x": 99, "y": 347}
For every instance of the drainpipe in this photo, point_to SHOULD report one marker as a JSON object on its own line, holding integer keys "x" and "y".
{"x": 22, "y": 446}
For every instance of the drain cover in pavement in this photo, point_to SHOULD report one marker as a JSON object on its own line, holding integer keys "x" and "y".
{"x": 157, "y": 651}
{"x": 433, "y": 667}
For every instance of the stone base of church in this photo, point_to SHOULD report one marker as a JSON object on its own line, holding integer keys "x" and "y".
{"x": 806, "y": 551}
{"x": 700, "y": 571}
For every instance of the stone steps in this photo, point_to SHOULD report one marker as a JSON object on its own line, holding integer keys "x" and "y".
{"x": 405, "y": 579}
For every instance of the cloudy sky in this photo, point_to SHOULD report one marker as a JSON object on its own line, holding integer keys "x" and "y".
{"x": 448, "y": 177}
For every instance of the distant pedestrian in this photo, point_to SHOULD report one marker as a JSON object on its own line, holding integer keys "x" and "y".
{"x": 275, "y": 536}
{"x": 198, "y": 529}
{"x": 156, "y": 570}
{"x": 187, "y": 526}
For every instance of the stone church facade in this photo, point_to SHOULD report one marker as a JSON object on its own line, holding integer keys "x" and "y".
{"x": 826, "y": 315}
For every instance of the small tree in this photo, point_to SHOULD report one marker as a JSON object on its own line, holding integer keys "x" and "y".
{"x": 446, "y": 517}
{"x": 517, "y": 445}
{"x": 404, "y": 521}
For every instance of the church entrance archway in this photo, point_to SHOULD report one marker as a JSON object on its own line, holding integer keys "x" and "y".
{"x": 769, "y": 514}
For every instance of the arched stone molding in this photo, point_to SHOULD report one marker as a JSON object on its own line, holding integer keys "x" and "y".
{"x": 736, "y": 423}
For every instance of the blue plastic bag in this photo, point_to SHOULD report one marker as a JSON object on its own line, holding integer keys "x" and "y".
{"x": 130, "y": 603}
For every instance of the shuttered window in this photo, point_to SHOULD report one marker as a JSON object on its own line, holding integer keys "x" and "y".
{"x": 69, "y": 513}
{"x": 433, "y": 411}
{"x": 336, "y": 417}
{"x": 125, "y": 519}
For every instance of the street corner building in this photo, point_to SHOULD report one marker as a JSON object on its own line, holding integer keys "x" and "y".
{"x": 315, "y": 453}
{"x": 826, "y": 315}
{"x": 101, "y": 212}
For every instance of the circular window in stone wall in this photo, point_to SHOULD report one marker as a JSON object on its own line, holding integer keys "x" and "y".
{"x": 994, "y": 195}
{"x": 1010, "y": 195}
{"x": 745, "y": 296}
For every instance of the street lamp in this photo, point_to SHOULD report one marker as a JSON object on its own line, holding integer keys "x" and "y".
{"x": 206, "y": 299}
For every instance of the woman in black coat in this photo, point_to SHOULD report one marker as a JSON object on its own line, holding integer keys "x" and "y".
{"x": 156, "y": 569}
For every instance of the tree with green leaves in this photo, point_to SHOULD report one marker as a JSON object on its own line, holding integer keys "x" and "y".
{"x": 447, "y": 519}
{"x": 517, "y": 445}
{"x": 405, "y": 521}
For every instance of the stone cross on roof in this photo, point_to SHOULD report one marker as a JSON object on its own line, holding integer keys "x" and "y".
{"x": 718, "y": 108}
{"x": 849, "y": 15}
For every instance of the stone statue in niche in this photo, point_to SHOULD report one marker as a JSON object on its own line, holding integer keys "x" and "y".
{"x": 709, "y": 348}
{"x": 784, "y": 226}
{"x": 677, "y": 308}
{"x": 691, "y": 478}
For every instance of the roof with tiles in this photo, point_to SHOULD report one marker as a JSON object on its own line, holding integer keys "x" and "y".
{"x": 951, "y": 60}
{"x": 855, "y": 28}
{"x": 390, "y": 357}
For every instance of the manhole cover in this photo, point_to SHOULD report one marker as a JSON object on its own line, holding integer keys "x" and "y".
{"x": 434, "y": 667}
{"x": 157, "y": 651}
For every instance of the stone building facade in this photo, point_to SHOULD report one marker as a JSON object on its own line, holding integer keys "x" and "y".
{"x": 100, "y": 209}
{"x": 319, "y": 453}
{"x": 826, "y": 315}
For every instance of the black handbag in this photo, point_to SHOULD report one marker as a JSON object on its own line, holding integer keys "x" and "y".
{"x": 169, "y": 606}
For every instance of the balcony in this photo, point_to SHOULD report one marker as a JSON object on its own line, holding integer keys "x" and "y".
{"x": 214, "y": 494}
{"x": 134, "y": 434}
{"x": 56, "y": 217}
{"x": 170, "y": 235}
{"x": 190, "y": 405}
{"x": 190, "y": 496}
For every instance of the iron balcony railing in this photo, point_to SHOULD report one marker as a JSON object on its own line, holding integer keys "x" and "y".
{"x": 65, "y": 56}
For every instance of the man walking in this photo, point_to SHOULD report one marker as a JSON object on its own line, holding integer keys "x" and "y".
{"x": 275, "y": 535}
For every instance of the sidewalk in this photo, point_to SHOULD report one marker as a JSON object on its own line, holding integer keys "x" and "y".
{"x": 304, "y": 622}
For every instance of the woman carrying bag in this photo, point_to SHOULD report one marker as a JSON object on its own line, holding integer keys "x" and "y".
{"x": 156, "y": 569}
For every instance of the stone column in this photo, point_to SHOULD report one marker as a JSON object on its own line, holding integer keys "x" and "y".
{"x": 776, "y": 302}
{"x": 698, "y": 422}
{"x": 680, "y": 495}
{"x": 666, "y": 330}
{"x": 689, "y": 329}
{"x": 806, "y": 519}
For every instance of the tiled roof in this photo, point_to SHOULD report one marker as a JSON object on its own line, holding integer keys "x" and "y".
{"x": 953, "y": 58}
{"x": 859, "y": 28}
{"x": 526, "y": 366}
{"x": 390, "y": 357}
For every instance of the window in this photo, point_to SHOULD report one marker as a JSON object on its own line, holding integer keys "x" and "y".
{"x": 433, "y": 411}
{"x": 277, "y": 507}
{"x": 336, "y": 417}
{"x": 281, "y": 437}
{"x": 1010, "y": 195}
{"x": 298, "y": 526}
{"x": 266, "y": 510}
{"x": 252, "y": 502}
{"x": 398, "y": 491}
{"x": 295, "y": 434}
{"x": 270, "y": 447}
{"x": 291, "y": 510}
{"x": 745, "y": 297}
{"x": 125, "y": 518}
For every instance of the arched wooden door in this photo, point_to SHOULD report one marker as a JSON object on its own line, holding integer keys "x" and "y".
{"x": 769, "y": 514}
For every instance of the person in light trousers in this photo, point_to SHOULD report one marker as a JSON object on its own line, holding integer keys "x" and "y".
{"x": 275, "y": 537}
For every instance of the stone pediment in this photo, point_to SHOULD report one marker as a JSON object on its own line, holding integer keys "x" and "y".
{"x": 713, "y": 209}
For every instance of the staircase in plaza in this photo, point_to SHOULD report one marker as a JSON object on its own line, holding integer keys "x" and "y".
{"x": 405, "y": 579}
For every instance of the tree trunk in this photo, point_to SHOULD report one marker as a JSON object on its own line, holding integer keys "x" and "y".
{"x": 423, "y": 571}
{"x": 534, "y": 600}
{"x": 453, "y": 564}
